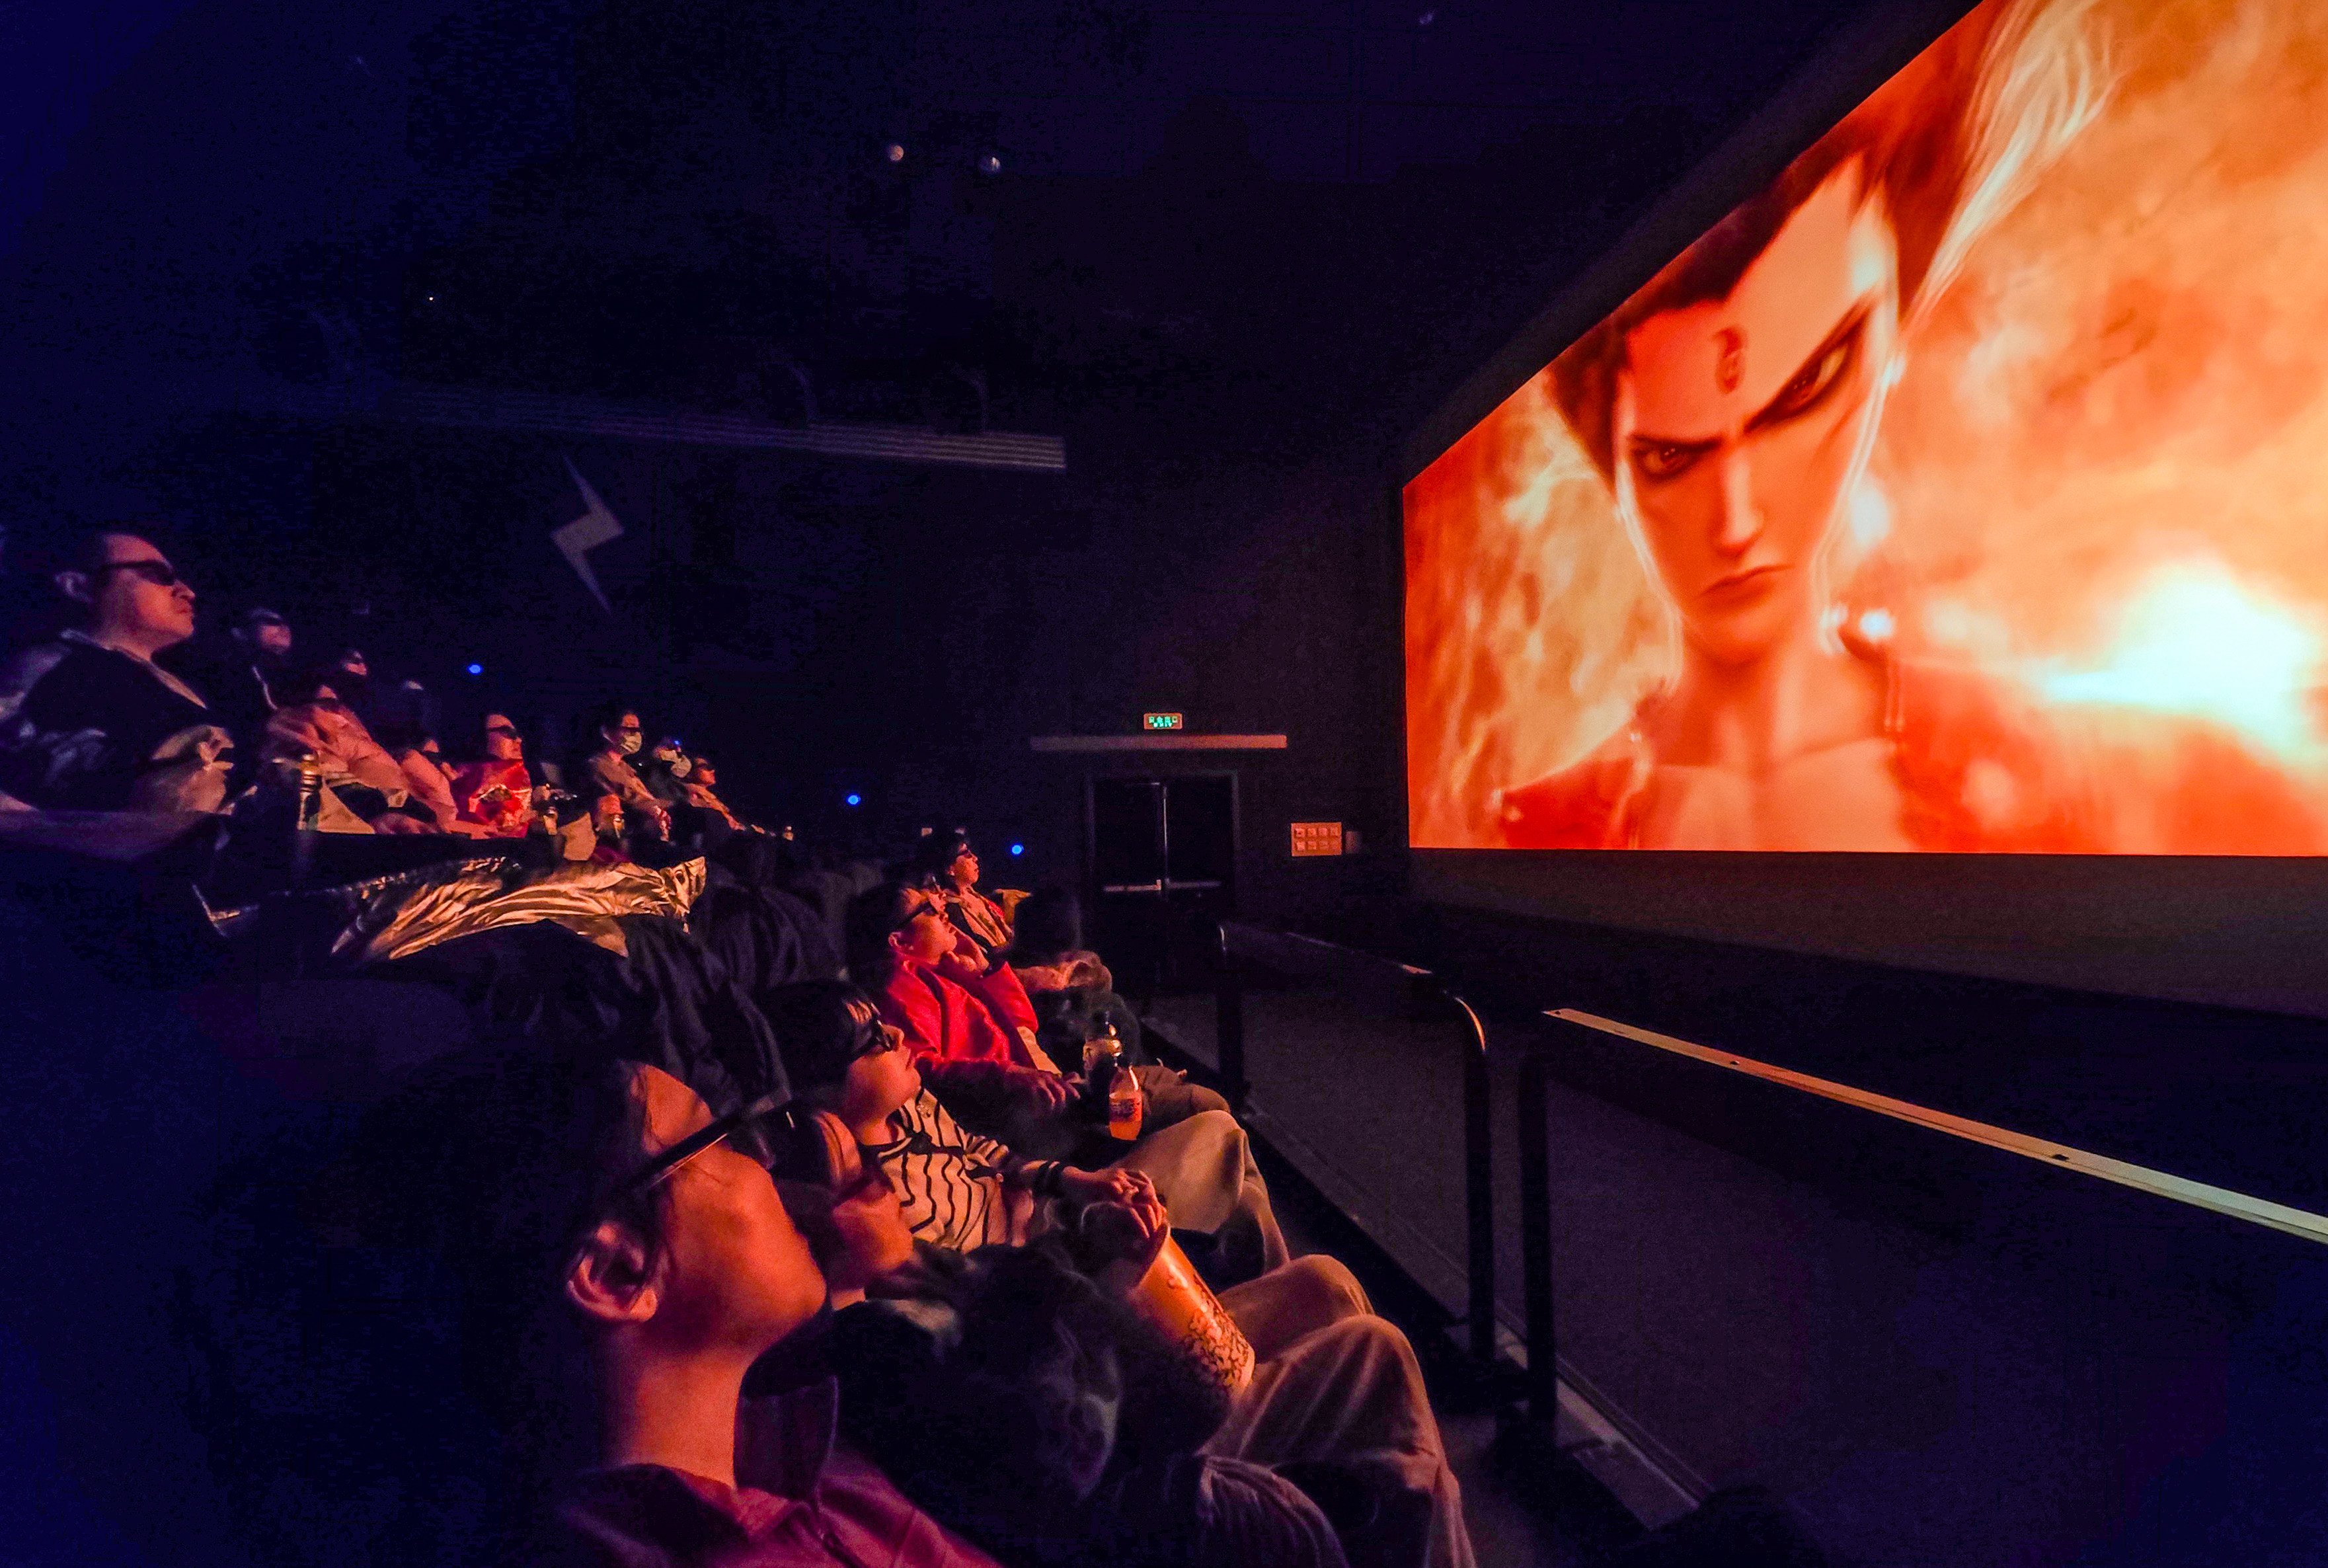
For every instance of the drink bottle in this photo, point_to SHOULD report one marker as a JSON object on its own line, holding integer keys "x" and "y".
{"x": 1123, "y": 1102}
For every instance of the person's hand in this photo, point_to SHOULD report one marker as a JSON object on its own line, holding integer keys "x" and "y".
{"x": 1128, "y": 1235}
{"x": 1112, "y": 1185}
{"x": 1051, "y": 1094}
{"x": 397, "y": 822}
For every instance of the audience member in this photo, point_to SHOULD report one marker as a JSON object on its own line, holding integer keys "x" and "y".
{"x": 948, "y": 859}
{"x": 1026, "y": 1406}
{"x": 974, "y": 1029}
{"x": 608, "y": 771}
{"x": 496, "y": 792}
{"x": 88, "y": 721}
{"x": 702, "y": 782}
{"x": 963, "y": 1189}
{"x": 350, "y": 673}
{"x": 902, "y": 948}
{"x": 623, "y": 1260}
{"x": 959, "y": 1373}
{"x": 1073, "y": 992}
{"x": 664, "y": 770}
{"x": 364, "y": 788}
{"x": 429, "y": 777}
{"x": 237, "y": 674}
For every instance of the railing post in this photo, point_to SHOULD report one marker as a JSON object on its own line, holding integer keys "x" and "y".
{"x": 1478, "y": 1188}
{"x": 1228, "y": 1031}
{"x": 1536, "y": 1238}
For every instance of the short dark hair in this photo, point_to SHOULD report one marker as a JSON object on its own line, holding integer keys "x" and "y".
{"x": 609, "y": 715}
{"x": 501, "y": 1160}
{"x": 819, "y": 1026}
{"x": 935, "y": 853}
{"x": 80, "y": 547}
{"x": 865, "y": 932}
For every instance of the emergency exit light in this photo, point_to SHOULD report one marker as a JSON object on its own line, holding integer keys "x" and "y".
{"x": 1160, "y": 721}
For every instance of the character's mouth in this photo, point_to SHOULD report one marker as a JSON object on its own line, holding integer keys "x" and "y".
{"x": 1742, "y": 584}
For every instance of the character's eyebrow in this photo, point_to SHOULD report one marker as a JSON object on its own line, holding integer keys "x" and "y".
{"x": 1795, "y": 395}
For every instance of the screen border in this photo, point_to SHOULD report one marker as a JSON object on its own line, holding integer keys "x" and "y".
{"x": 2244, "y": 932}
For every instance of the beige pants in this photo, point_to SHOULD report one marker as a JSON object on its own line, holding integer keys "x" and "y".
{"x": 1338, "y": 1385}
{"x": 1204, "y": 1171}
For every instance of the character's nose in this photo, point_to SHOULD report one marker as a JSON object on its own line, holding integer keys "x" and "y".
{"x": 1738, "y": 519}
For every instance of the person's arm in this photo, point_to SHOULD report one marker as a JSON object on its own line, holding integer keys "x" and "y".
{"x": 621, "y": 779}
{"x": 998, "y": 989}
{"x": 988, "y": 1092}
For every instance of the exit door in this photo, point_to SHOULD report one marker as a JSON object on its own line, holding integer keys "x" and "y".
{"x": 1163, "y": 861}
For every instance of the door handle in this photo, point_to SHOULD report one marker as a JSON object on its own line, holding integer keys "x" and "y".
{"x": 1188, "y": 886}
{"x": 1133, "y": 887}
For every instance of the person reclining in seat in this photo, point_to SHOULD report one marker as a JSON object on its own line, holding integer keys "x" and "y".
{"x": 1016, "y": 1393}
{"x": 364, "y": 789}
{"x": 418, "y": 754}
{"x": 624, "y": 1259}
{"x": 973, "y": 1029}
{"x": 87, "y": 722}
{"x": 946, "y": 861}
{"x": 962, "y": 1190}
{"x": 495, "y": 792}
{"x": 610, "y": 771}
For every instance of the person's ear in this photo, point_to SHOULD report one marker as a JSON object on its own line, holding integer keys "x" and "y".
{"x": 76, "y": 587}
{"x": 610, "y": 1277}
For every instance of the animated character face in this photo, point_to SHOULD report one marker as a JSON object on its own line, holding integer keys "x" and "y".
{"x": 1741, "y": 423}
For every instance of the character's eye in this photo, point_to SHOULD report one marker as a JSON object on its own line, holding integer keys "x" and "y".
{"x": 1658, "y": 461}
{"x": 1817, "y": 378}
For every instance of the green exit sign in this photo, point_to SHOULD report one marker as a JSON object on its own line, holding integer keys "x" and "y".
{"x": 1160, "y": 721}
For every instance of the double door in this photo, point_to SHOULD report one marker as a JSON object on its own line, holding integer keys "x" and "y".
{"x": 1163, "y": 873}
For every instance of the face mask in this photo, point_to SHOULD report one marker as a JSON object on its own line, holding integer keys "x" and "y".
{"x": 629, "y": 745}
{"x": 680, "y": 767}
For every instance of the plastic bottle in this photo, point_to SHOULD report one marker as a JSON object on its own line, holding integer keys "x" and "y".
{"x": 311, "y": 792}
{"x": 1124, "y": 1107}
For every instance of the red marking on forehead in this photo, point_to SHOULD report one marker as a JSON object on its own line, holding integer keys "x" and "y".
{"x": 1730, "y": 358}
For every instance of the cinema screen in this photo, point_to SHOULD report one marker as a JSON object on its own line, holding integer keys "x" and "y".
{"x": 1965, "y": 488}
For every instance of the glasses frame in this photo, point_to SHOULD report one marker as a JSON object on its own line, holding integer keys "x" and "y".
{"x": 882, "y": 1039}
{"x": 145, "y": 570}
{"x": 661, "y": 1167}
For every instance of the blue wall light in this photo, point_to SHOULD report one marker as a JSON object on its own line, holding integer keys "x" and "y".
{"x": 476, "y": 668}
{"x": 853, "y": 799}
{"x": 1017, "y": 850}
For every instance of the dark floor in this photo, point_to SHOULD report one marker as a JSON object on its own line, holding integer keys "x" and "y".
{"x": 1528, "y": 1505}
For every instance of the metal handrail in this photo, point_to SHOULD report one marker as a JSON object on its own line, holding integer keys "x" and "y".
{"x": 1353, "y": 970}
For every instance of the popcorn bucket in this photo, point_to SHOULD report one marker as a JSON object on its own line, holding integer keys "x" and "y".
{"x": 1175, "y": 1298}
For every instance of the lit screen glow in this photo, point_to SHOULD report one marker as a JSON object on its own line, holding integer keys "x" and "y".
{"x": 1966, "y": 489}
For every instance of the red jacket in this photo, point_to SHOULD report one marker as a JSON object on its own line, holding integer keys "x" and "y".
{"x": 499, "y": 794}
{"x": 965, "y": 1040}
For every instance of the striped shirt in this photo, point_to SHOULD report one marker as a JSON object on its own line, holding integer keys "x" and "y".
{"x": 950, "y": 1182}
